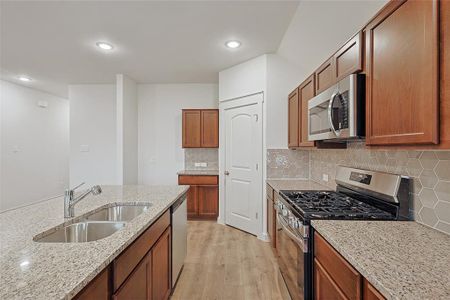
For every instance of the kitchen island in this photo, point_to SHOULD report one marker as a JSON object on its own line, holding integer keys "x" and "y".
{"x": 34, "y": 270}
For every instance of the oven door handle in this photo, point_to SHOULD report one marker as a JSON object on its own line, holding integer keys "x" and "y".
{"x": 330, "y": 113}
{"x": 302, "y": 243}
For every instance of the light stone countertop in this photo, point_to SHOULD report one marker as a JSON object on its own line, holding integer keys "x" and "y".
{"x": 32, "y": 270}
{"x": 403, "y": 260}
{"x": 295, "y": 184}
{"x": 199, "y": 172}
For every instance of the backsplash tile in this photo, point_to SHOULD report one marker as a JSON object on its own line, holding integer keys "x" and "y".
{"x": 201, "y": 155}
{"x": 429, "y": 170}
{"x": 284, "y": 163}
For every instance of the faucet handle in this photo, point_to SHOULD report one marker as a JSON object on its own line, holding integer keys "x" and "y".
{"x": 77, "y": 186}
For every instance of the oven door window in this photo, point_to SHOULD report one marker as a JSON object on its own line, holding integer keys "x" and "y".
{"x": 291, "y": 263}
{"x": 318, "y": 119}
{"x": 339, "y": 111}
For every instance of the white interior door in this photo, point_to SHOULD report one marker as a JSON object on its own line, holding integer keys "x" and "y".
{"x": 243, "y": 162}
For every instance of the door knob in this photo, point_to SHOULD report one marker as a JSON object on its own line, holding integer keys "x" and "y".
{"x": 226, "y": 173}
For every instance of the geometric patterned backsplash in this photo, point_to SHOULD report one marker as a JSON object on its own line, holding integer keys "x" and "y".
{"x": 429, "y": 171}
{"x": 284, "y": 163}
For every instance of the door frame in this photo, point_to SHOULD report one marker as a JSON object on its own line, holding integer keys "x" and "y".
{"x": 256, "y": 98}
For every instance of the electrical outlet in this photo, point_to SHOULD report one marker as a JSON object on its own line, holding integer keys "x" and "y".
{"x": 204, "y": 165}
{"x": 325, "y": 177}
{"x": 84, "y": 148}
{"x": 200, "y": 164}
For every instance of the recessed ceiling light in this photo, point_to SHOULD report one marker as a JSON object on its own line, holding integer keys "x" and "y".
{"x": 233, "y": 44}
{"x": 104, "y": 46}
{"x": 24, "y": 78}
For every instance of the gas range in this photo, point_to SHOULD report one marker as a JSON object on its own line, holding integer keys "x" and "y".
{"x": 333, "y": 205}
{"x": 359, "y": 195}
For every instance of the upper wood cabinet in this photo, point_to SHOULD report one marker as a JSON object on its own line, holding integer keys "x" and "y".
{"x": 402, "y": 74}
{"x": 305, "y": 93}
{"x": 293, "y": 119}
{"x": 347, "y": 60}
{"x": 200, "y": 128}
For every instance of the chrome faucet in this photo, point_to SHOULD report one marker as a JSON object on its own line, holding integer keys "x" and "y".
{"x": 70, "y": 201}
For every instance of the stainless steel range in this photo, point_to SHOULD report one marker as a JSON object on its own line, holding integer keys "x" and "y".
{"x": 360, "y": 195}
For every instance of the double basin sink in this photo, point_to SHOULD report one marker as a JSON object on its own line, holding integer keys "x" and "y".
{"x": 95, "y": 225}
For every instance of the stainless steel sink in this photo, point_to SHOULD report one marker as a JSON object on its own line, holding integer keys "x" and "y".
{"x": 118, "y": 213}
{"x": 82, "y": 232}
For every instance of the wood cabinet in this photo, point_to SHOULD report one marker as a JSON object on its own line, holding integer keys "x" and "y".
{"x": 161, "y": 267}
{"x": 98, "y": 288}
{"x": 271, "y": 216}
{"x": 293, "y": 119}
{"x": 141, "y": 271}
{"x": 138, "y": 284}
{"x": 305, "y": 93}
{"x": 347, "y": 60}
{"x": 200, "y": 128}
{"x": 370, "y": 292}
{"x": 335, "y": 278}
{"x": 402, "y": 74}
{"x": 298, "y": 114}
{"x": 203, "y": 196}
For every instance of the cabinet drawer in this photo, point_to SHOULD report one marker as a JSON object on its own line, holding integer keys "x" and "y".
{"x": 130, "y": 257}
{"x": 325, "y": 287}
{"x": 343, "y": 274}
{"x": 370, "y": 292}
{"x": 269, "y": 191}
{"x": 197, "y": 180}
{"x": 98, "y": 288}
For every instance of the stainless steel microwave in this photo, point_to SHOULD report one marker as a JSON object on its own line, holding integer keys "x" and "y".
{"x": 338, "y": 113}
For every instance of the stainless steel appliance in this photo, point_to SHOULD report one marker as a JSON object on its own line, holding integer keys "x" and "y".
{"x": 360, "y": 195}
{"x": 338, "y": 113}
{"x": 179, "y": 237}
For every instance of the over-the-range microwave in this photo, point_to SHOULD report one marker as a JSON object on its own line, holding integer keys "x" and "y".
{"x": 338, "y": 113}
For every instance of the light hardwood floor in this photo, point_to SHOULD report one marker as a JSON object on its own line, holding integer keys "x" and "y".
{"x": 226, "y": 263}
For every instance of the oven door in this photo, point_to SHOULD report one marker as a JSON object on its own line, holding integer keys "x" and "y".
{"x": 294, "y": 263}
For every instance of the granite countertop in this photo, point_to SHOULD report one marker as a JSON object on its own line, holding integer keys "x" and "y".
{"x": 32, "y": 270}
{"x": 199, "y": 172}
{"x": 403, "y": 260}
{"x": 295, "y": 184}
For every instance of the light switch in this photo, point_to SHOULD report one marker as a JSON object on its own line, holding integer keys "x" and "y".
{"x": 84, "y": 148}
{"x": 325, "y": 177}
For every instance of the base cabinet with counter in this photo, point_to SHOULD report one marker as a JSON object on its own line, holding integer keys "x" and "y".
{"x": 335, "y": 278}
{"x": 271, "y": 216}
{"x": 141, "y": 271}
{"x": 203, "y": 196}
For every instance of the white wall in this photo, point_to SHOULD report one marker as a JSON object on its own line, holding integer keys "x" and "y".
{"x": 282, "y": 78}
{"x": 127, "y": 130}
{"x": 34, "y": 146}
{"x": 244, "y": 79}
{"x": 160, "y": 152}
{"x": 319, "y": 28}
{"x": 93, "y": 127}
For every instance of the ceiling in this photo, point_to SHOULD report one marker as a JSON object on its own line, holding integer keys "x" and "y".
{"x": 154, "y": 42}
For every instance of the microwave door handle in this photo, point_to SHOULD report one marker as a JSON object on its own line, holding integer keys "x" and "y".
{"x": 330, "y": 113}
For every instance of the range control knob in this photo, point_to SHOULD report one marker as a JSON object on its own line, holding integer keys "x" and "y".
{"x": 296, "y": 223}
{"x": 284, "y": 212}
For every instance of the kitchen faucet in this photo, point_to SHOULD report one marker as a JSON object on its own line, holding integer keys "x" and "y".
{"x": 70, "y": 201}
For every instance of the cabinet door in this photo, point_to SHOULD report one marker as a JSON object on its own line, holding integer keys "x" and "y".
{"x": 97, "y": 288}
{"x": 305, "y": 93}
{"x": 370, "y": 292}
{"x": 210, "y": 128}
{"x": 192, "y": 202}
{"x": 325, "y": 76}
{"x": 208, "y": 201}
{"x": 324, "y": 286}
{"x": 161, "y": 267}
{"x": 191, "y": 129}
{"x": 293, "y": 119}
{"x": 402, "y": 74}
{"x": 271, "y": 222}
{"x": 138, "y": 285}
{"x": 348, "y": 59}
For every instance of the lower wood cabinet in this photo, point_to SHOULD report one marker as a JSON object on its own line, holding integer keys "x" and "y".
{"x": 141, "y": 272}
{"x": 203, "y": 196}
{"x": 335, "y": 278}
{"x": 271, "y": 216}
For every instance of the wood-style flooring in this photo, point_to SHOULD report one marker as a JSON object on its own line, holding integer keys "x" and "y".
{"x": 226, "y": 263}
